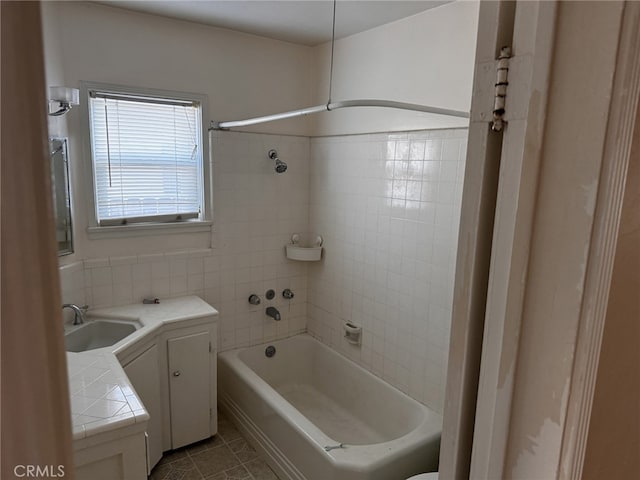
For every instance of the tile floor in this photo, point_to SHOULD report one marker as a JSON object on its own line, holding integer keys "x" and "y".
{"x": 227, "y": 456}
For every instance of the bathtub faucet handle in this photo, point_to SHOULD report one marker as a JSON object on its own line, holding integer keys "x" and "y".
{"x": 254, "y": 299}
{"x": 287, "y": 293}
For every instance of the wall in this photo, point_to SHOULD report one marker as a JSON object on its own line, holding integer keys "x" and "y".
{"x": 388, "y": 207}
{"x": 53, "y": 62}
{"x": 104, "y": 44}
{"x": 427, "y": 58}
{"x": 614, "y": 429}
{"x": 257, "y": 210}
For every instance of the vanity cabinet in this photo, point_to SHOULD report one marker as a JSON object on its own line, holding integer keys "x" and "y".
{"x": 174, "y": 374}
{"x": 115, "y": 455}
{"x": 189, "y": 395}
{"x": 144, "y": 374}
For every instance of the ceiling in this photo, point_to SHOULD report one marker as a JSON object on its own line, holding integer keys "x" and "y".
{"x": 306, "y": 22}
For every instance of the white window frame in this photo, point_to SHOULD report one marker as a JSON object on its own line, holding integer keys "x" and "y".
{"x": 94, "y": 229}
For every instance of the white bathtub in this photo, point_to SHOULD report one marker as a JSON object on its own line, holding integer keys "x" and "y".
{"x": 307, "y": 397}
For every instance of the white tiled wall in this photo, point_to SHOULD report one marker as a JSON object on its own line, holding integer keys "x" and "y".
{"x": 388, "y": 207}
{"x": 256, "y": 211}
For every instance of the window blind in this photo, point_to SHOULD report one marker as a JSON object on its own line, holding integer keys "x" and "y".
{"x": 147, "y": 158}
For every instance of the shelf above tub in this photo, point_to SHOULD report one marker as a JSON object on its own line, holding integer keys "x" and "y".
{"x": 301, "y": 253}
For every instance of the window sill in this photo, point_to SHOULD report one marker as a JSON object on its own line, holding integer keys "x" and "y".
{"x": 148, "y": 229}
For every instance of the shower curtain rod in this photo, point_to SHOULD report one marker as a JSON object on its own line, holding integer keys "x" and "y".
{"x": 334, "y": 106}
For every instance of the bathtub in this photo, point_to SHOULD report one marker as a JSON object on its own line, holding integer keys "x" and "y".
{"x": 318, "y": 416}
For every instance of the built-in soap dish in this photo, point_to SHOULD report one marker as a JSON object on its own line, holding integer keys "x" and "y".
{"x": 310, "y": 253}
{"x": 352, "y": 333}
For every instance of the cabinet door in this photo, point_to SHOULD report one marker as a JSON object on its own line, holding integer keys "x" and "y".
{"x": 189, "y": 388}
{"x": 144, "y": 374}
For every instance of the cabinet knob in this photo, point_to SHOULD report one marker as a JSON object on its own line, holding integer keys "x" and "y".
{"x": 176, "y": 373}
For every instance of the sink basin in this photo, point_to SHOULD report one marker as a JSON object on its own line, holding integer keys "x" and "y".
{"x": 97, "y": 334}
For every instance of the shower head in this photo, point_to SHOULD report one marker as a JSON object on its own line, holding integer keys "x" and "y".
{"x": 281, "y": 167}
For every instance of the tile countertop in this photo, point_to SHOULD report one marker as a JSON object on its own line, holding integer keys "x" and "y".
{"x": 102, "y": 398}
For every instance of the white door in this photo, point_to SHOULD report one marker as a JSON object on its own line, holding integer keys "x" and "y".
{"x": 144, "y": 374}
{"x": 189, "y": 388}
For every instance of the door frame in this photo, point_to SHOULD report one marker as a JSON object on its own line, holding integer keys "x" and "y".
{"x": 509, "y": 291}
{"x": 621, "y": 126}
{"x": 35, "y": 413}
{"x": 498, "y": 170}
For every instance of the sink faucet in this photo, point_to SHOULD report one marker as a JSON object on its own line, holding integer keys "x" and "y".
{"x": 78, "y": 311}
{"x": 273, "y": 312}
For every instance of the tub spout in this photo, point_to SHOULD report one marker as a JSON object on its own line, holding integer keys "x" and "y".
{"x": 273, "y": 313}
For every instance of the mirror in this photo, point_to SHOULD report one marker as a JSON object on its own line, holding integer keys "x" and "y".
{"x": 61, "y": 197}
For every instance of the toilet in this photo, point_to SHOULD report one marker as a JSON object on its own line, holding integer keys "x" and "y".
{"x": 425, "y": 476}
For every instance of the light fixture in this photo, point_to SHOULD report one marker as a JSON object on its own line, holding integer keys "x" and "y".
{"x": 65, "y": 97}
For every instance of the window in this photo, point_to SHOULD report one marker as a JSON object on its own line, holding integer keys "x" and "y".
{"x": 147, "y": 157}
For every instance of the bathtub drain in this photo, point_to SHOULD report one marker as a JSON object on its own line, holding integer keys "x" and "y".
{"x": 270, "y": 351}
